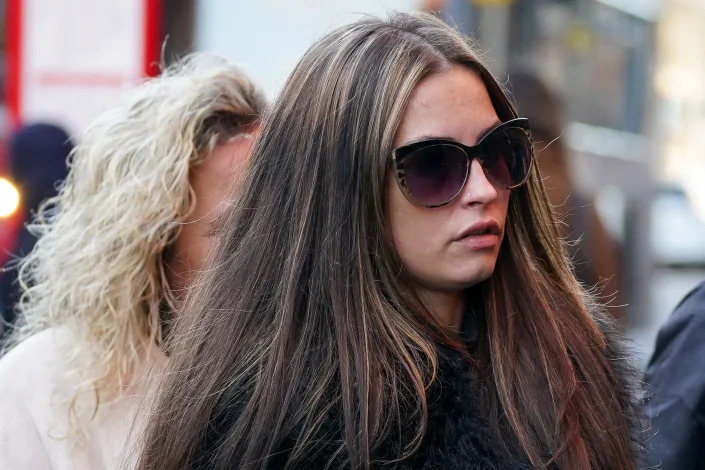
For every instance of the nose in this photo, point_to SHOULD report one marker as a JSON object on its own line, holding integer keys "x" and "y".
{"x": 478, "y": 189}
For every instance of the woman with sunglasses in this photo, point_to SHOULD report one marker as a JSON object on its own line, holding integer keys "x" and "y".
{"x": 391, "y": 290}
{"x": 118, "y": 247}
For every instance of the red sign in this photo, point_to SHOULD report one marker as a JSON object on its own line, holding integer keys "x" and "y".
{"x": 68, "y": 60}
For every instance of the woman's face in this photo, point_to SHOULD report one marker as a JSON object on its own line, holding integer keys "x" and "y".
{"x": 213, "y": 182}
{"x": 437, "y": 245}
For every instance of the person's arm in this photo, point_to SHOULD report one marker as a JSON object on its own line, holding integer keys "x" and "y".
{"x": 678, "y": 440}
{"x": 21, "y": 446}
{"x": 27, "y": 379}
{"x": 675, "y": 407}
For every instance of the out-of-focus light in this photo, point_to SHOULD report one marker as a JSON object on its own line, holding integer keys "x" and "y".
{"x": 607, "y": 142}
{"x": 493, "y": 3}
{"x": 696, "y": 193}
{"x": 689, "y": 86}
{"x": 648, "y": 10}
{"x": 9, "y": 198}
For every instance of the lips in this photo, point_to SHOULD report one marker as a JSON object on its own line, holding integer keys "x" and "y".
{"x": 484, "y": 227}
{"x": 482, "y": 235}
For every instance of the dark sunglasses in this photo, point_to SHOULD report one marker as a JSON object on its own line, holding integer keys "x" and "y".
{"x": 432, "y": 173}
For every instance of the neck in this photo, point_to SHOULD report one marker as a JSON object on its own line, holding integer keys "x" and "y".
{"x": 177, "y": 285}
{"x": 446, "y": 306}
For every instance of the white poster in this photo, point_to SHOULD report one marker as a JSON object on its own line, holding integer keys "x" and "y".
{"x": 77, "y": 57}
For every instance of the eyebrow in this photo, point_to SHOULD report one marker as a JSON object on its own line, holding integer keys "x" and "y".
{"x": 483, "y": 133}
{"x": 488, "y": 129}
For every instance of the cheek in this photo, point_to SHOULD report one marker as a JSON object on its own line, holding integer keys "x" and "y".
{"x": 503, "y": 196}
{"x": 423, "y": 240}
{"x": 197, "y": 234}
{"x": 414, "y": 230}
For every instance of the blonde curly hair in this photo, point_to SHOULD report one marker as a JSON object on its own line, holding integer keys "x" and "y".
{"x": 98, "y": 267}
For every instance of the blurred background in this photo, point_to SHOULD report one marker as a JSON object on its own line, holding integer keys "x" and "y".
{"x": 620, "y": 83}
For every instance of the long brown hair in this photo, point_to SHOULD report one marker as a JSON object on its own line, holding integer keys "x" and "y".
{"x": 307, "y": 310}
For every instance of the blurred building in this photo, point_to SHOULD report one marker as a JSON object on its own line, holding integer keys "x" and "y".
{"x": 678, "y": 215}
{"x": 679, "y": 87}
{"x": 268, "y": 37}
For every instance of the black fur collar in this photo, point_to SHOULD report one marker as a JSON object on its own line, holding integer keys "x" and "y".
{"x": 459, "y": 435}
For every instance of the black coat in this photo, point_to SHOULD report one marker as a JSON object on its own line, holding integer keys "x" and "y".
{"x": 676, "y": 376}
{"x": 459, "y": 434}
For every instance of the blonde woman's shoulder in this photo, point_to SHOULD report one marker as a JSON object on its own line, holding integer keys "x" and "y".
{"x": 38, "y": 385}
{"x": 35, "y": 361}
{"x": 28, "y": 376}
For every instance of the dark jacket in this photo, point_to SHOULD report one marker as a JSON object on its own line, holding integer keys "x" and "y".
{"x": 459, "y": 434}
{"x": 37, "y": 154}
{"x": 676, "y": 376}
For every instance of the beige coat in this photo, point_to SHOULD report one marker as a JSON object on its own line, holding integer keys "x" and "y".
{"x": 34, "y": 395}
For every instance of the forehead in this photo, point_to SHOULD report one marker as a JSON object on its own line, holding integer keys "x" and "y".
{"x": 454, "y": 103}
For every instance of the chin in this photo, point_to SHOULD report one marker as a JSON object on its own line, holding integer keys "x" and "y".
{"x": 474, "y": 276}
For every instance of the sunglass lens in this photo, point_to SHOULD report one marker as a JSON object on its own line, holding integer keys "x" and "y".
{"x": 508, "y": 158}
{"x": 435, "y": 174}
